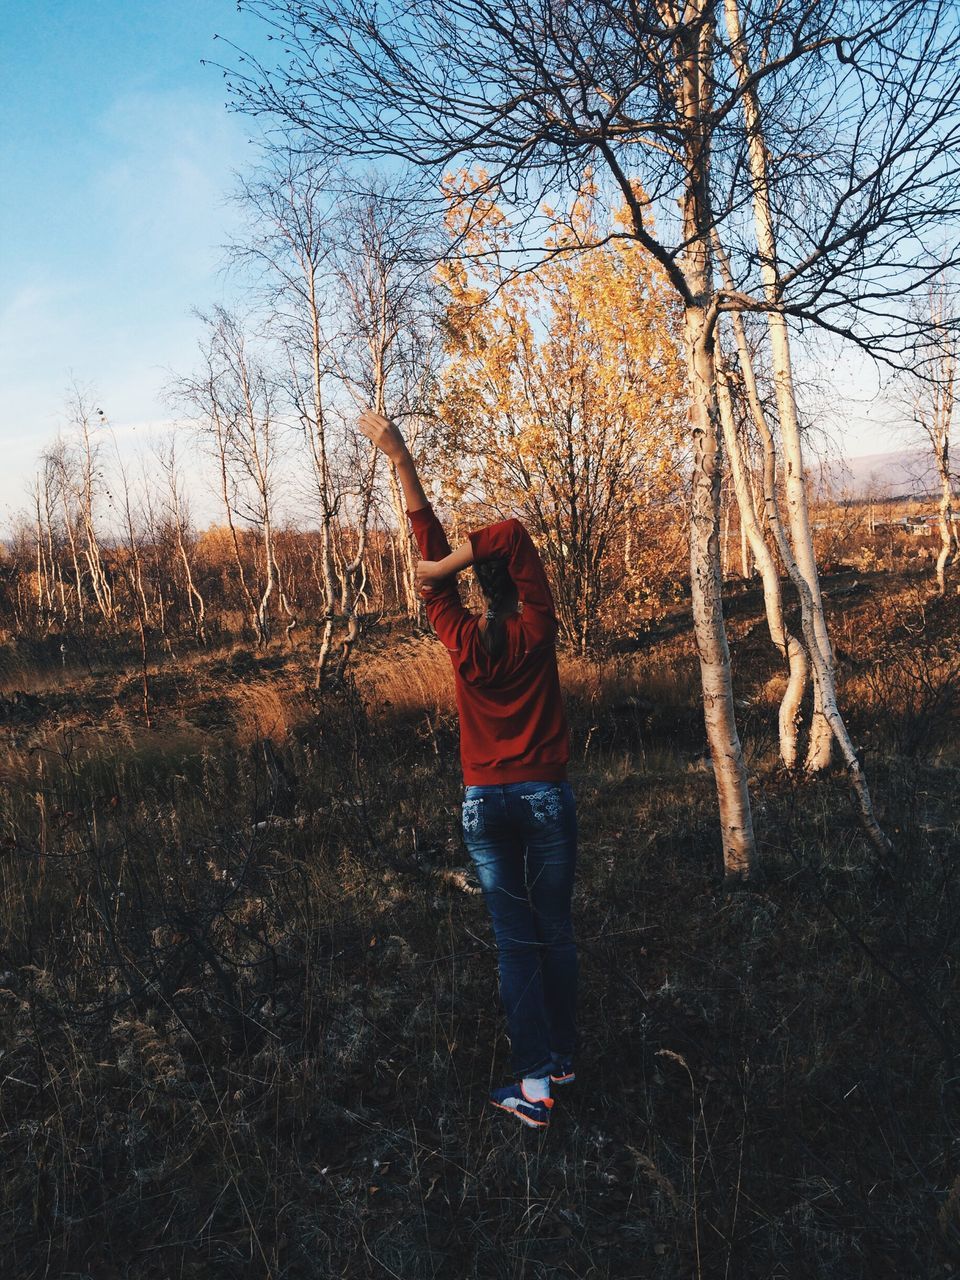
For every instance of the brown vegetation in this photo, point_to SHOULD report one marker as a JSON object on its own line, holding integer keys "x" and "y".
{"x": 248, "y": 994}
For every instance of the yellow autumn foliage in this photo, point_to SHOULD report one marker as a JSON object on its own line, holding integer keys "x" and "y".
{"x": 562, "y": 400}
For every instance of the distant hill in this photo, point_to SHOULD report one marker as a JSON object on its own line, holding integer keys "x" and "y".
{"x": 901, "y": 474}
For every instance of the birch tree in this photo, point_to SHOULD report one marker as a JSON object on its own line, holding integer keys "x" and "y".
{"x": 344, "y": 290}
{"x": 931, "y": 401}
{"x": 386, "y": 307}
{"x": 178, "y": 517}
{"x": 827, "y": 720}
{"x": 235, "y": 400}
{"x": 829, "y": 263}
{"x": 289, "y": 240}
{"x": 49, "y": 584}
{"x": 132, "y": 533}
{"x": 131, "y": 567}
{"x": 60, "y": 485}
{"x": 788, "y": 645}
{"x": 80, "y": 485}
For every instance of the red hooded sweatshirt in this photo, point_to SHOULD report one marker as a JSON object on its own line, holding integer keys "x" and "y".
{"x": 513, "y": 727}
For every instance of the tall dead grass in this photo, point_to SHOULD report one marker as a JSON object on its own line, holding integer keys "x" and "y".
{"x": 248, "y": 1001}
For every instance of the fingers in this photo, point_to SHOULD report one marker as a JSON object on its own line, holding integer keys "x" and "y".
{"x": 426, "y": 572}
{"x": 368, "y": 426}
{"x": 380, "y": 431}
{"x": 375, "y": 421}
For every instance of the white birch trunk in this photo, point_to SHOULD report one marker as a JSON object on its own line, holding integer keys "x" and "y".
{"x": 75, "y": 559}
{"x": 948, "y": 537}
{"x": 746, "y": 561}
{"x": 263, "y": 608}
{"x": 820, "y": 742}
{"x": 92, "y": 553}
{"x": 220, "y": 432}
{"x": 800, "y": 665}
{"x": 53, "y": 571}
{"x": 39, "y": 558}
{"x": 348, "y": 599}
{"x": 815, "y": 627}
{"x": 318, "y": 449}
{"x": 198, "y": 608}
{"x": 790, "y": 648}
{"x": 411, "y": 597}
{"x": 195, "y": 601}
{"x": 736, "y": 820}
{"x": 933, "y": 410}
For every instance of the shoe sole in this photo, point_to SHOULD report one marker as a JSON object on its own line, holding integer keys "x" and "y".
{"x": 512, "y": 1111}
{"x": 567, "y": 1079}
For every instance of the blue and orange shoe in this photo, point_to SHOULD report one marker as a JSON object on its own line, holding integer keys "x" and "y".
{"x": 561, "y": 1072}
{"x": 512, "y": 1098}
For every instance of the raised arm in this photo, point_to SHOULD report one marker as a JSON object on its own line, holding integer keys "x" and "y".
{"x": 440, "y": 595}
{"x": 386, "y": 436}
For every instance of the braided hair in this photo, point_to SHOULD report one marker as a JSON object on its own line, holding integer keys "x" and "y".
{"x": 498, "y": 589}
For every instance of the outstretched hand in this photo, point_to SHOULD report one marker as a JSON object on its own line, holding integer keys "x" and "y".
{"x": 383, "y": 433}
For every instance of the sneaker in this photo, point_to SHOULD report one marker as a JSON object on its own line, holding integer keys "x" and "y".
{"x": 562, "y": 1071}
{"x": 513, "y": 1099}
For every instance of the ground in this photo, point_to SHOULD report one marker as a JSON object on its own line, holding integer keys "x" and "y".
{"x": 248, "y": 1006}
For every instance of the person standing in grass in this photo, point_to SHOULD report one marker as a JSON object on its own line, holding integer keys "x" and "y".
{"x": 518, "y": 817}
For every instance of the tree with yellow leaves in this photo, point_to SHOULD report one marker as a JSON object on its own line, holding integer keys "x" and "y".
{"x": 563, "y": 399}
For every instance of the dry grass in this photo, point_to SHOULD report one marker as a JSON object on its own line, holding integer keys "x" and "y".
{"x": 248, "y": 1008}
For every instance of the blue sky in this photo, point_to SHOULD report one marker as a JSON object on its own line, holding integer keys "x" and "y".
{"x": 117, "y": 154}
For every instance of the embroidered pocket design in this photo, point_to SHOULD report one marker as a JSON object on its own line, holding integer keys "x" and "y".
{"x": 472, "y": 815}
{"x": 547, "y": 805}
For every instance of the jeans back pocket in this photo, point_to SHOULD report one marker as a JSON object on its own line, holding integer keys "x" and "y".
{"x": 546, "y": 804}
{"x": 471, "y": 816}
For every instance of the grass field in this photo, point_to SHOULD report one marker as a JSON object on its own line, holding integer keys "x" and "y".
{"x": 248, "y": 1002}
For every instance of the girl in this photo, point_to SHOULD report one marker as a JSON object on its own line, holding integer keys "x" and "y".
{"x": 518, "y": 817}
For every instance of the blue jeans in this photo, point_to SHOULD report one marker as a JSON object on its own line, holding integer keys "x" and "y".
{"x": 522, "y": 837}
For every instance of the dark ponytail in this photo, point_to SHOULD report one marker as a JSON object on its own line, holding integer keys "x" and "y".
{"x": 498, "y": 588}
